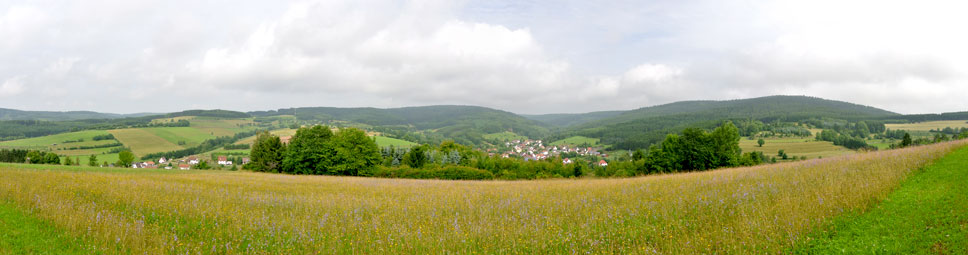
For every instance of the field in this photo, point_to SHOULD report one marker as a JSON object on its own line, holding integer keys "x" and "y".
{"x": 47, "y": 142}
{"x": 577, "y": 140}
{"x": 143, "y": 142}
{"x": 277, "y": 132}
{"x": 383, "y": 141}
{"x": 189, "y": 135}
{"x": 928, "y": 125}
{"x": 763, "y": 209}
{"x": 795, "y": 147}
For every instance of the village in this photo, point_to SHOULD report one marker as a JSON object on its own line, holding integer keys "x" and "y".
{"x": 187, "y": 163}
{"x": 536, "y": 150}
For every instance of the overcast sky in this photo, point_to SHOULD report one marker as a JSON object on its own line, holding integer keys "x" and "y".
{"x": 126, "y": 56}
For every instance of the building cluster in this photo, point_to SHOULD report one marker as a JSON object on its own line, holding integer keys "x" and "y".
{"x": 537, "y": 150}
{"x": 183, "y": 164}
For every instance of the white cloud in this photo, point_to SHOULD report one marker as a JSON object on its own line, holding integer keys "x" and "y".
{"x": 528, "y": 57}
{"x": 11, "y": 87}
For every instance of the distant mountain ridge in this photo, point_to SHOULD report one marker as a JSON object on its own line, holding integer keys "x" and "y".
{"x": 645, "y": 126}
{"x": 465, "y": 124}
{"x": 629, "y": 129}
{"x": 11, "y": 114}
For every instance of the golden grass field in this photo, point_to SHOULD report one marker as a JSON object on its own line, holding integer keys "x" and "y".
{"x": 762, "y": 209}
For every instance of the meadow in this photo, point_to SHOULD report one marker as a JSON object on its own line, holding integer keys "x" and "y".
{"x": 795, "y": 147}
{"x": 577, "y": 140}
{"x": 928, "y": 125}
{"x": 761, "y": 209}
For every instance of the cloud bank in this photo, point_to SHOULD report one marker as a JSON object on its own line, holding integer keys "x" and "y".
{"x": 520, "y": 56}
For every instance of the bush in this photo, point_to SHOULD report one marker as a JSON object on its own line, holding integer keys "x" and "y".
{"x": 450, "y": 172}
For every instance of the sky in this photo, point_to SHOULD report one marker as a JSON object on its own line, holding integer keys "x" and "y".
{"x": 522, "y": 56}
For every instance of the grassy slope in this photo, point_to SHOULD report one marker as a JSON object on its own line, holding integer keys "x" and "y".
{"x": 142, "y": 141}
{"x": 191, "y": 136}
{"x": 928, "y": 214}
{"x": 383, "y": 141}
{"x": 577, "y": 140}
{"x": 21, "y": 233}
{"x": 764, "y": 209}
{"x": 928, "y": 125}
{"x": 795, "y": 147}
{"x": 46, "y": 142}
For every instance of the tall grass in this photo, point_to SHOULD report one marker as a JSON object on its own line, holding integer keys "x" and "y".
{"x": 762, "y": 209}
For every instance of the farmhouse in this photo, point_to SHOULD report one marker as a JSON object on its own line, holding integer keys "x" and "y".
{"x": 192, "y": 160}
{"x": 602, "y": 163}
{"x": 285, "y": 139}
{"x": 184, "y": 166}
{"x": 566, "y": 161}
{"x": 162, "y": 160}
{"x": 223, "y": 160}
{"x": 245, "y": 160}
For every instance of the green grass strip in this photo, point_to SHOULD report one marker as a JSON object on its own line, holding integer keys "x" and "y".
{"x": 22, "y": 234}
{"x": 928, "y": 214}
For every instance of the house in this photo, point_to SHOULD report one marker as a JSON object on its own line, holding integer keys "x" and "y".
{"x": 566, "y": 161}
{"x": 245, "y": 160}
{"x": 602, "y": 163}
{"x": 162, "y": 160}
{"x": 184, "y": 166}
{"x": 192, "y": 160}
{"x": 285, "y": 139}
{"x": 223, "y": 160}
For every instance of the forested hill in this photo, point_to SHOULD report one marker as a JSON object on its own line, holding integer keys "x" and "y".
{"x": 572, "y": 119}
{"x": 11, "y": 114}
{"x": 645, "y": 126}
{"x": 465, "y": 124}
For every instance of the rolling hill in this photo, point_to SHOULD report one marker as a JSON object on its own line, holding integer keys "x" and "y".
{"x": 11, "y": 114}
{"x": 464, "y": 124}
{"x": 645, "y": 126}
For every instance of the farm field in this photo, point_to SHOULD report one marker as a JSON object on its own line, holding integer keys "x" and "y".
{"x": 142, "y": 142}
{"x": 47, "y": 142}
{"x": 219, "y": 126}
{"x": 795, "y": 147}
{"x": 762, "y": 209}
{"x": 277, "y": 132}
{"x": 928, "y": 125}
{"x": 577, "y": 140}
{"x": 384, "y": 141}
{"x": 189, "y": 135}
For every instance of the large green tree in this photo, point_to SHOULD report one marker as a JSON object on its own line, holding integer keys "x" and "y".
{"x": 267, "y": 153}
{"x": 92, "y": 161}
{"x": 125, "y": 158}
{"x": 310, "y": 151}
{"x": 355, "y": 152}
{"x": 416, "y": 157}
{"x": 52, "y": 158}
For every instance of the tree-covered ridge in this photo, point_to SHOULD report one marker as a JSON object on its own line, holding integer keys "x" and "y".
{"x": 646, "y": 126}
{"x": 11, "y": 114}
{"x": 572, "y": 119}
{"x": 464, "y": 124}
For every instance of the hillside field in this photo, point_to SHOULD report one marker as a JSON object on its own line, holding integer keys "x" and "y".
{"x": 47, "y": 142}
{"x": 577, "y": 140}
{"x": 795, "y": 147}
{"x": 928, "y": 125}
{"x": 762, "y": 209}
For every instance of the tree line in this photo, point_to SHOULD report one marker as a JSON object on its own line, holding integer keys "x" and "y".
{"x": 316, "y": 150}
